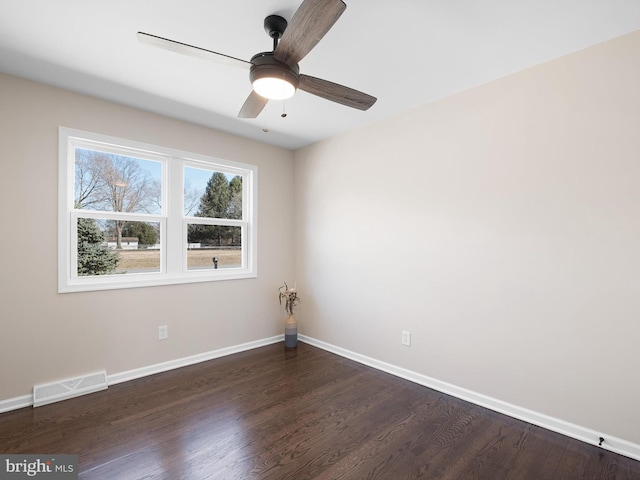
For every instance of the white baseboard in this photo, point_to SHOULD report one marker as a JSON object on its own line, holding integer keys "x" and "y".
{"x": 16, "y": 403}
{"x": 587, "y": 435}
{"x": 192, "y": 360}
{"x": 27, "y": 400}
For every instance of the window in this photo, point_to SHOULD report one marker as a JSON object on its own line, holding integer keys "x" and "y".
{"x": 133, "y": 215}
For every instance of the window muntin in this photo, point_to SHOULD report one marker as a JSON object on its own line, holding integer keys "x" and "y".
{"x": 148, "y": 206}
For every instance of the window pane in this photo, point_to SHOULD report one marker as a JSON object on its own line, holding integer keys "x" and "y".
{"x": 116, "y": 183}
{"x": 212, "y": 194}
{"x": 213, "y": 246}
{"x": 110, "y": 247}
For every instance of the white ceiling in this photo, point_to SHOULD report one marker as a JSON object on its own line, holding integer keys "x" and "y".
{"x": 404, "y": 52}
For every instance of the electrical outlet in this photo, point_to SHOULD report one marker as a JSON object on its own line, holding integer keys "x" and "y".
{"x": 406, "y": 338}
{"x": 163, "y": 332}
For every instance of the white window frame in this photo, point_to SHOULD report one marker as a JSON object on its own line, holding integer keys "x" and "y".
{"x": 173, "y": 223}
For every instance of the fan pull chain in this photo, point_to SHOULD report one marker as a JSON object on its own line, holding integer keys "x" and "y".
{"x": 284, "y": 113}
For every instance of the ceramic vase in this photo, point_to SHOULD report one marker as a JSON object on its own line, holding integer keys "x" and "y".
{"x": 290, "y": 333}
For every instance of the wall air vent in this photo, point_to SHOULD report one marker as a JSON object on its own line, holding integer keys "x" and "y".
{"x": 73, "y": 387}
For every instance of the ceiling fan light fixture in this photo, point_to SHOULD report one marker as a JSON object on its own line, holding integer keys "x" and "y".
{"x": 273, "y": 79}
{"x": 273, "y": 88}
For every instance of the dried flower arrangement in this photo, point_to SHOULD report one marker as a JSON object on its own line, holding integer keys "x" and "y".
{"x": 289, "y": 296}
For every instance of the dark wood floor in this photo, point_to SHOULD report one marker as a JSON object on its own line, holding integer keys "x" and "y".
{"x": 269, "y": 414}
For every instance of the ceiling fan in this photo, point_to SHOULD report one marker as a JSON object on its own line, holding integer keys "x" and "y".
{"x": 275, "y": 75}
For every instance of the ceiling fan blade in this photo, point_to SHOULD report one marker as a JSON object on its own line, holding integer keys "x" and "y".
{"x": 309, "y": 24}
{"x": 190, "y": 50}
{"x": 253, "y": 105}
{"x": 336, "y": 93}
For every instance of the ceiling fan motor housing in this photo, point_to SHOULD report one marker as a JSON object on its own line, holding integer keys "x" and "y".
{"x": 265, "y": 65}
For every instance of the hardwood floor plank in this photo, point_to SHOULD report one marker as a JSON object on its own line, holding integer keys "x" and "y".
{"x": 268, "y": 414}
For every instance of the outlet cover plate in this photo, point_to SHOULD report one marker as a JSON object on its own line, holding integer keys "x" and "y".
{"x": 163, "y": 332}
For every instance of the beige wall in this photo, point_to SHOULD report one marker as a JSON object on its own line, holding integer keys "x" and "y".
{"x": 501, "y": 226}
{"x": 46, "y": 336}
